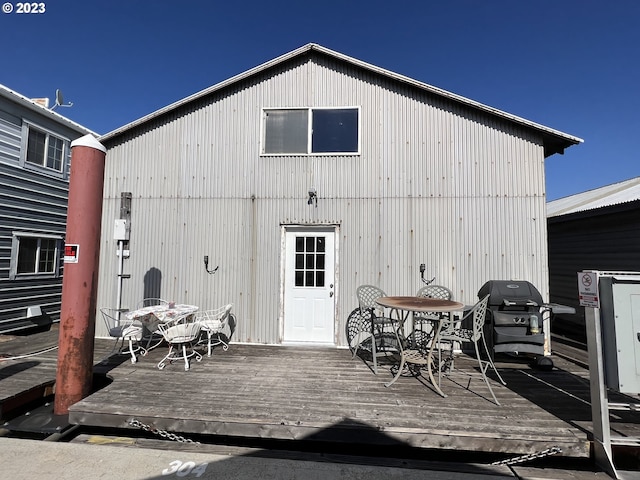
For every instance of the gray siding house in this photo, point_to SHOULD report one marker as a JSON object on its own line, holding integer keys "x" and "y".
{"x": 314, "y": 173}
{"x": 594, "y": 230}
{"x": 34, "y": 185}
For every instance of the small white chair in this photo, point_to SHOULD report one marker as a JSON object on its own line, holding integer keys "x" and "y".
{"x": 123, "y": 330}
{"x": 181, "y": 334}
{"x": 151, "y": 330}
{"x": 213, "y": 323}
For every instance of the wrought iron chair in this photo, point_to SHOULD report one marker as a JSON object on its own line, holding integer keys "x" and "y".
{"x": 181, "y": 333}
{"x": 123, "y": 330}
{"x": 421, "y": 338}
{"x": 213, "y": 323}
{"x": 457, "y": 332}
{"x": 376, "y": 323}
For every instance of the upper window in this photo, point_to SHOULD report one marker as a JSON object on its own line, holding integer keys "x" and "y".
{"x": 45, "y": 149}
{"x": 311, "y": 131}
{"x": 33, "y": 254}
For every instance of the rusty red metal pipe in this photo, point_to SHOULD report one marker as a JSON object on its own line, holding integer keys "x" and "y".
{"x": 80, "y": 279}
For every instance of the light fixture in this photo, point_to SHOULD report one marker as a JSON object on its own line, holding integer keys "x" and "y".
{"x": 313, "y": 197}
{"x": 206, "y": 266}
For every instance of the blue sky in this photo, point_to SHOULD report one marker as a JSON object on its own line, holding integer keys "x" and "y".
{"x": 572, "y": 65}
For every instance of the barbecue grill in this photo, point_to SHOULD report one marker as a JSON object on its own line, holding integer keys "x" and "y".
{"x": 514, "y": 317}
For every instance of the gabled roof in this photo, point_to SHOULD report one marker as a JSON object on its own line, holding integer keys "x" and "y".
{"x": 554, "y": 140}
{"x": 610, "y": 195}
{"x": 20, "y": 99}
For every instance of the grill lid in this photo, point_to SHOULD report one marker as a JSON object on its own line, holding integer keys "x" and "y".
{"x": 511, "y": 292}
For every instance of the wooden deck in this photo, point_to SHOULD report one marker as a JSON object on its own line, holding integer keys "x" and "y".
{"x": 322, "y": 395}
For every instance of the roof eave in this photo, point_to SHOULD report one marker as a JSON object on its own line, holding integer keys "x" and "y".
{"x": 29, "y": 104}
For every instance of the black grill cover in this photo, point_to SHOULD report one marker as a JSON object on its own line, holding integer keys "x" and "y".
{"x": 516, "y": 291}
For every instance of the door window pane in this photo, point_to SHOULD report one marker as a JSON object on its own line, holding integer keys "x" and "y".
{"x": 310, "y": 262}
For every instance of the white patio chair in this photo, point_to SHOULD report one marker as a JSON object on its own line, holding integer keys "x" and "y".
{"x": 181, "y": 334}
{"x": 213, "y": 323}
{"x": 456, "y": 332}
{"x": 123, "y": 330}
{"x": 378, "y": 324}
{"x": 150, "y": 331}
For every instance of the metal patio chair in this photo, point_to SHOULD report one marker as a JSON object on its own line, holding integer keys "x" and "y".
{"x": 213, "y": 323}
{"x": 421, "y": 338}
{"x": 382, "y": 338}
{"x": 124, "y": 331}
{"x": 457, "y": 332}
{"x": 181, "y": 333}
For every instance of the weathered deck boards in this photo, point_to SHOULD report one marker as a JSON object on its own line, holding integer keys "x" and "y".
{"x": 322, "y": 394}
{"x": 296, "y": 393}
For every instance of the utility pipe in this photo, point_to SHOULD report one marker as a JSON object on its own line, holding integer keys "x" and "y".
{"x": 80, "y": 280}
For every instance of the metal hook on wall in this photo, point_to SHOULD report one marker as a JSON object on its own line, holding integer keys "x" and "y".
{"x": 206, "y": 266}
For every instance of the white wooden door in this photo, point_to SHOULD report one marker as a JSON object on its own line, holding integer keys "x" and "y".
{"x": 309, "y": 278}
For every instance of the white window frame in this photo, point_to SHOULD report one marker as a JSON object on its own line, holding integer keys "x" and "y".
{"x": 27, "y": 126}
{"x": 15, "y": 251}
{"x": 309, "y": 151}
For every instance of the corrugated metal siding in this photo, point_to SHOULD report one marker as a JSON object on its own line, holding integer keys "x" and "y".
{"x": 434, "y": 183}
{"x": 31, "y": 202}
{"x": 606, "y": 239}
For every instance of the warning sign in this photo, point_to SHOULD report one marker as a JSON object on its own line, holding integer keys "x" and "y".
{"x": 71, "y": 253}
{"x": 588, "y": 289}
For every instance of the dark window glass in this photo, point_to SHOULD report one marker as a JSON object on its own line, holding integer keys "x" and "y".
{"x": 319, "y": 279}
{"x": 299, "y": 261}
{"x": 320, "y": 261}
{"x": 335, "y": 130}
{"x": 299, "y": 244}
{"x": 47, "y": 255}
{"x": 311, "y": 244}
{"x": 27, "y": 255}
{"x": 310, "y": 263}
{"x": 299, "y": 278}
{"x": 320, "y": 244}
{"x": 35, "y": 146}
{"x": 308, "y": 281}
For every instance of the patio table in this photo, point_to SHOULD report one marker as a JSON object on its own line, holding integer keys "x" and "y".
{"x": 153, "y": 315}
{"x": 406, "y": 306}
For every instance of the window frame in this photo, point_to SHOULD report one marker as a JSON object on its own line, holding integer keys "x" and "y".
{"x": 15, "y": 253}
{"x": 27, "y": 128}
{"x": 309, "y": 150}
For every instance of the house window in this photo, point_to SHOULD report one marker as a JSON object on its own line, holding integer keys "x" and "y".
{"x": 311, "y": 131}
{"x": 33, "y": 254}
{"x": 45, "y": 149}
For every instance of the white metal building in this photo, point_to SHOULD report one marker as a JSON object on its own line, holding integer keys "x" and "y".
{"x": 403, "y": 173}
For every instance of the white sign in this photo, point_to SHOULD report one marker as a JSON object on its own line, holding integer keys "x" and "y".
{"x": 588, "y": 289}
{"x": 71, "y": 253}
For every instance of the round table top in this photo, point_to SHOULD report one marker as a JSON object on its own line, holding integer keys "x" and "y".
{"x": 420, "y": 304}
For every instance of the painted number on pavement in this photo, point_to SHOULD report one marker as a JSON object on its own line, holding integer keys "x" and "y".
{"x": 183, "y": 469}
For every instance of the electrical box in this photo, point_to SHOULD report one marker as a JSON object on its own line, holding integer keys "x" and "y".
{"x": 121, "y": 230}
{"x": 620, "y": 317}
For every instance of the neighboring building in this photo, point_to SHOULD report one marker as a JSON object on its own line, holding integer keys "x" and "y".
{"x": 594, "y": 230}
{"x": 34, "y": 185}
{"x": 314, "y": 173}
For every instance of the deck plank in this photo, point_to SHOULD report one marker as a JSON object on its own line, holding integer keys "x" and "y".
{"x": 322, "y": 394}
